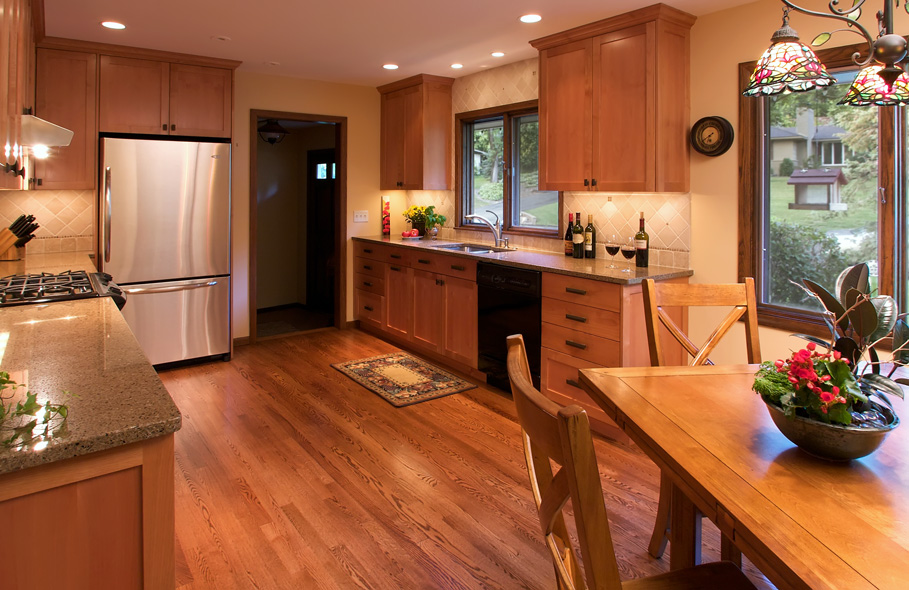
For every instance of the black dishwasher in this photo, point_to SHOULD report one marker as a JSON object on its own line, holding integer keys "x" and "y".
{"x": 508, "y": 303}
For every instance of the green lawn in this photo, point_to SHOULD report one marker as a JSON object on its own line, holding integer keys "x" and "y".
{"x": 547, "y": 215}
{"x": 781, "y": 194}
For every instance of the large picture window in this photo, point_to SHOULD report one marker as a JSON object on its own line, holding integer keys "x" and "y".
{"x": 498, "y": 166}
{"x": 811, "y": 201}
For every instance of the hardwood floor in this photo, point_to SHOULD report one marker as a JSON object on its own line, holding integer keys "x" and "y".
{"x": 290, "y": 475}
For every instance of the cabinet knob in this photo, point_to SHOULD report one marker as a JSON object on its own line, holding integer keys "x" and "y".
{"x": 173, "y": 127}
{"x": 164, "y": 127}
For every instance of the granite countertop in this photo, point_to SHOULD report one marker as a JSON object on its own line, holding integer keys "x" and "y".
{"x": 84, "y": 347}
{"x": 588, "y": 268}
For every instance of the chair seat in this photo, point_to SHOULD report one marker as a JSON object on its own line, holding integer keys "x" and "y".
{"x": 719, "y": 575}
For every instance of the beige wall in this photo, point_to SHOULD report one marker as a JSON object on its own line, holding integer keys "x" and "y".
{"x": 719, "y": 42}
{"x": 360, "y": 105}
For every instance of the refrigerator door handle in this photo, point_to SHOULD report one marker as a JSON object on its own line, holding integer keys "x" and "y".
{"x": 107, "y": 177}
{"x": 171, "y": 289}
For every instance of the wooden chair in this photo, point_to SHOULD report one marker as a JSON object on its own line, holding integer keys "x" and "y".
{"x": 739, "y": 296}
{"x": 562, "y": 434}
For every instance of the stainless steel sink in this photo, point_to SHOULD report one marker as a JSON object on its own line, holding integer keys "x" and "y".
{"x": 471, "y": 248}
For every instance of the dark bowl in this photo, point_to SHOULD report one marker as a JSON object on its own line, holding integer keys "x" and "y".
{"x": 833, "y": 442}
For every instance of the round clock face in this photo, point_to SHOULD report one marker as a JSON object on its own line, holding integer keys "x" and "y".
{"x": 712, "y": 136}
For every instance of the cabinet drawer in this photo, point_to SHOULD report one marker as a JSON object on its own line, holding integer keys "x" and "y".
{"x": 370, "y": 308}
{"x": 425, "y": 261}
{"x": 370, "y": 251}
{"x": 592, "y": 320}
{"x": 559, "y": 382}
{"x": 584, "y": 291}
{"x": 369, "y": 267}
{"x": 455, "y": 266}
{"x": 369, "y": 283}
{"x": 600, "y": 351}
{"x": 399, "y": 256}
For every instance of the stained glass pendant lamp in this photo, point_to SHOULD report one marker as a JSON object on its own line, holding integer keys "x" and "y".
{"x": 787, "y": 66}
{"x": 790, "y": 66}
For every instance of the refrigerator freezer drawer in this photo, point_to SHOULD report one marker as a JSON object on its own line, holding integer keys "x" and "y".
{"x": 180, "y": 320}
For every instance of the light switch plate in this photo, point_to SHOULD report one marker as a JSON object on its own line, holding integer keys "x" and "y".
{"x": 361, "y": 216}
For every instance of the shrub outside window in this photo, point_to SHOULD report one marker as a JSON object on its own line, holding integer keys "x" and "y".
{"x": 498, "y": 168}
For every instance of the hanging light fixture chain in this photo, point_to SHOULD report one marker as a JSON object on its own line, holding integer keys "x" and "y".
{"x": 842, "y": 15}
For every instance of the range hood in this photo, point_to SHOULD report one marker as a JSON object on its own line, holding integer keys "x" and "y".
{"x": 37, "y": 131}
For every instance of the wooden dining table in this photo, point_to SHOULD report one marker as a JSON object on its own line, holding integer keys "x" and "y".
{"x": 803, "y": 521}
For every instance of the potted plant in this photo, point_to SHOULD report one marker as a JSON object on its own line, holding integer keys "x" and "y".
{"x": 433, "y": 219}
{"x": 423, "y": 218}
{"x": 835, "y": 404}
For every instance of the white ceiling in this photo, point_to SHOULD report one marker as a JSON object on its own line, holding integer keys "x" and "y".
{"x": 341, "y": 40}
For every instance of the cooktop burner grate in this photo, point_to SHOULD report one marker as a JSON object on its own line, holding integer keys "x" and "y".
{"x": 47, "y": 287}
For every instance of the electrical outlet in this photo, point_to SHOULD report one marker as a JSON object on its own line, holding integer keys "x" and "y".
{"x": 361, "y": 216}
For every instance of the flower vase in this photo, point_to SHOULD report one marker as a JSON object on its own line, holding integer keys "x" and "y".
{"x": 420, "y": 226}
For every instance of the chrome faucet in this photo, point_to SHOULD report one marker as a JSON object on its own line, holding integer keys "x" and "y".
{"x": 495, "y": 229}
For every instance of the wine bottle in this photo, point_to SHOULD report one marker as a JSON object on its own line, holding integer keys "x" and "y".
{"x": 590, "y": 238}
{"x": 569, "y": 248}
{"x": 641, "y": 246}
{"x": 577, "y": 237}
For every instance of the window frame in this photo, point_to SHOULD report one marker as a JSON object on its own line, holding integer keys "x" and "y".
{"x": 753, "y": 157}
{"x": 508, "y": 113}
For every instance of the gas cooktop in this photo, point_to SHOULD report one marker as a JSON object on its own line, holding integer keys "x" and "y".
{"x": 65, "y": 286}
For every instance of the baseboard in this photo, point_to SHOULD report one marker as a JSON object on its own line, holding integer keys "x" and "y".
{"x": 242, "y": 341}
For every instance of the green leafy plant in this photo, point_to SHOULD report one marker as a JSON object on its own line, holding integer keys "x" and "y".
{"x": 433, "y": 219}
{"x": 845, "y": 384}
{"x": 26, "y": 421}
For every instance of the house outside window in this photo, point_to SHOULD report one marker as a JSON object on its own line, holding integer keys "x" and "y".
{"x": 498, "y": 167}
{"x": 810, "y": 202}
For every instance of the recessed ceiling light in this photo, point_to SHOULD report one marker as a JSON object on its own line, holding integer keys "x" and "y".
{"x": 457, "y": 66}
{"x": 390, "y": 66}
{"x": 531, "y": 18}
{"x": 498, "y": 54}
{"x": 221, "y": 38}
{"x": 109, "y": 24}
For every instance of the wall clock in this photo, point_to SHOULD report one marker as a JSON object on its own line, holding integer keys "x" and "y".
{"x": 712, "y": 136}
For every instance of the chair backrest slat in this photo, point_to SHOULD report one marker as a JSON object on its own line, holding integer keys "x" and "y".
{"x": 739, "y": 296}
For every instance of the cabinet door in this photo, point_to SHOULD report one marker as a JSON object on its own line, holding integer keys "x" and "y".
{"x": 65, "y": 95}
{"x": 9, "y": 117}
{"x": 369, "y": 308}
{"x": 399, "y": 300}
{"x": 623, "y": 110}
{"x": 428, "y": 297}
{"x": 134, "y": 96}
{"x": 460, "y": 317}
{"x": 200, "y": 101}
{"x": 413, "y": 138}
{"x": 392, "y": 148}
{"x": 565, "y": 117}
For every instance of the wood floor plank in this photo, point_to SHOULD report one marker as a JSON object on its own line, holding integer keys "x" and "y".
{"x": 291, "y": 475}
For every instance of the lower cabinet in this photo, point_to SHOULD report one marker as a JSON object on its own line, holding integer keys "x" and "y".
{"x": 420, "y": 299}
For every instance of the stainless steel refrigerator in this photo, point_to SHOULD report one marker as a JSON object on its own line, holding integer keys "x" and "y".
{"x": 165, "y": 239}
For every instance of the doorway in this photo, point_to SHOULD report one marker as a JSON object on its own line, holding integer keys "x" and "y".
{"x": 297, "y": 199}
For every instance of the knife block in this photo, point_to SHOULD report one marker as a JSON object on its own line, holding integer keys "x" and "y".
{"x": 7, "y": 239}
{"x": 13, "y": 253}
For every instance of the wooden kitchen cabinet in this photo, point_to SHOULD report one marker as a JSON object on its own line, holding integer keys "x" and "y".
{"x": 65, "y": 94}
{"x": 16, "y": 62}
{"x": 445, "y": 315}
{"x": 415, "y": 148}
{"x": 399, "y": 301}
{"x": 159, "y": 98}
{"x": 589, "y": 323}
{"x": 614, "y": 104}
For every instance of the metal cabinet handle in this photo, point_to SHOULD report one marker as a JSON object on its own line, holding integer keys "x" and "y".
{"x": 576, "y": 344}
{"x": 107, "y": 200}
{"x": 575, "y": 291}
{"x": 593, "y": 182}
{"x": 423, "y": 261}
{"x": 187, "y": 287}
{"x": 458, "y": 267}
{"x": 586, "y": 182}
{"x": 164, "y": 127}
{"x": 440, "y": 282}
{"x": 173, "y": 127}
{"x": 367, "y": 308}
{"x": 396, "y": 256}
{"x": 573, "y": 383}
{"x": 367, "y": 250}
{"x": 367, "y": 267}
{"x": 367, "y": 284}
{"x": 394, "y": 268}
{"x": 575, "y": 318}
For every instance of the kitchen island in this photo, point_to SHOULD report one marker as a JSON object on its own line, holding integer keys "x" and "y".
{"x": 97, "y": 500}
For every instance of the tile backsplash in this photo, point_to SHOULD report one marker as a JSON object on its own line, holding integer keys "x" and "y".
{"x": 66, "y": 218}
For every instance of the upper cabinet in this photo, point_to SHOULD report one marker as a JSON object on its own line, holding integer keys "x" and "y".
{"x": 65, "y": 95}
{"x": 416, "y": 134}
{"x": 614, "y": 104}
{"x": 16, "y": 63}
{"x": 160, "y": 98}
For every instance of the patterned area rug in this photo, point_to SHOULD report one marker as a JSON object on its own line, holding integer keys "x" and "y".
{"x": 402, "y": 379}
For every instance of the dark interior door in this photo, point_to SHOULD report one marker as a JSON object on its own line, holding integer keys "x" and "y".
{"x": 320, "y": 223}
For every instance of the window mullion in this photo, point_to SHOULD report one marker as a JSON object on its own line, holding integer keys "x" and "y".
{"x": 507, "y": 199}
{"x": 886, "y": 197}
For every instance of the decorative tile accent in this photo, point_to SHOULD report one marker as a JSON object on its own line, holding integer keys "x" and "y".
{"x": 65, "y": 218}
{"x": 506, "y": 84}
